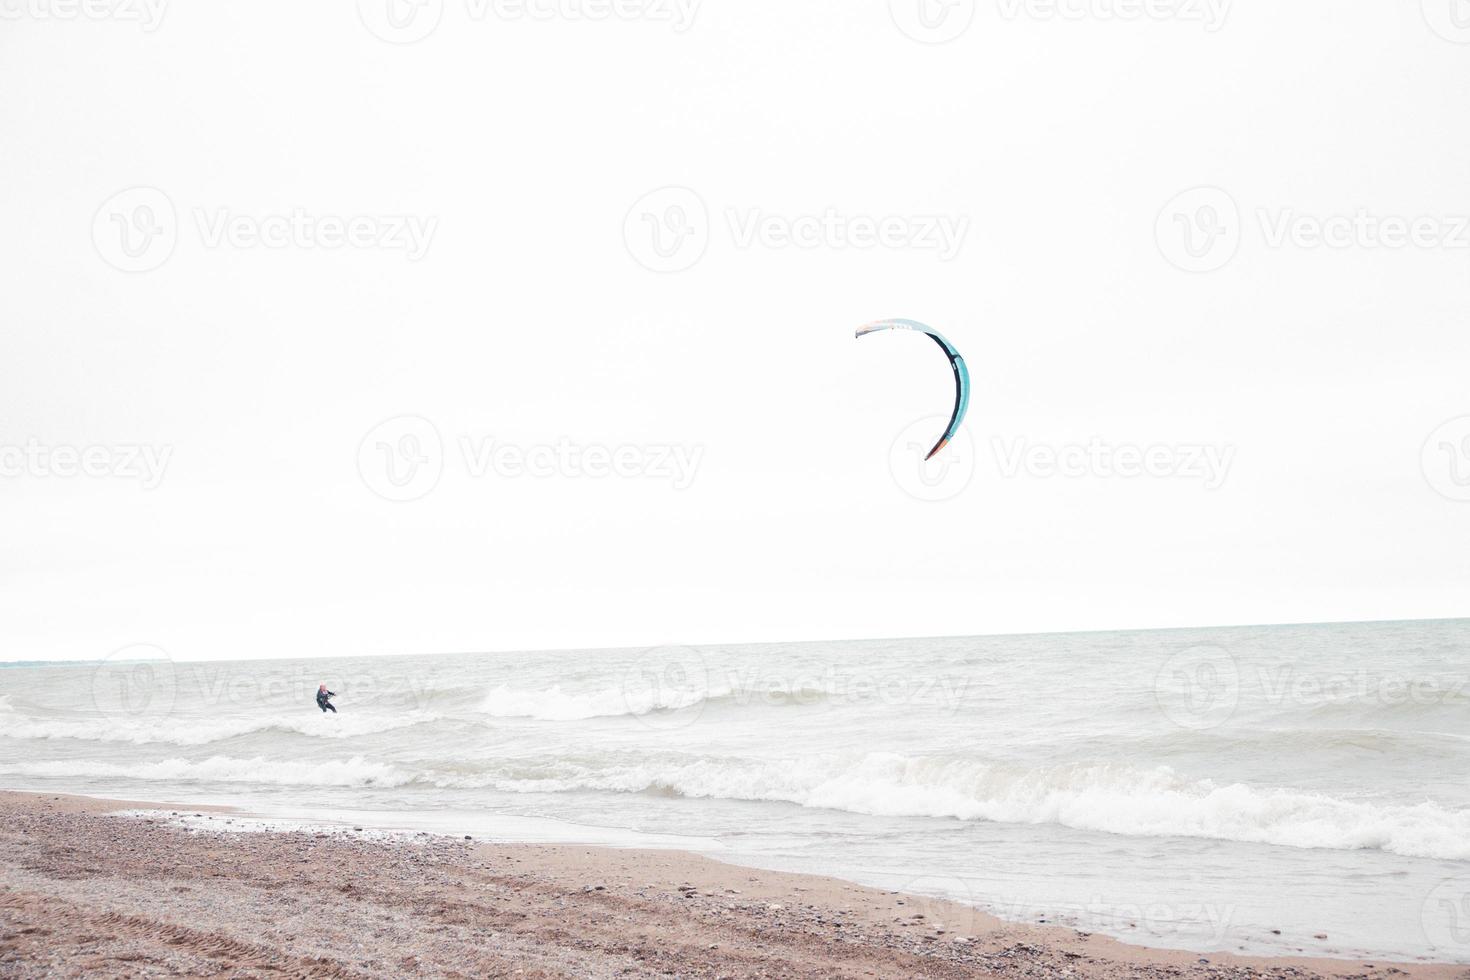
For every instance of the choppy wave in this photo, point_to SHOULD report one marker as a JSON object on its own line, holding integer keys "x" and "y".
{"x": 1310, "y": 741}
{"x": 554, "y": 704}
{"x": 950, "y": 729}
{"x": 186, "y": 730}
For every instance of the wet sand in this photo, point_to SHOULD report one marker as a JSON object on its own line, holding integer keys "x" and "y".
{"x": 85, "y": 891}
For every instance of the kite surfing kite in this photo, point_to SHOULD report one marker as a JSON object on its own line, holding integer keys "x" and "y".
{"x": 956, "y": 363}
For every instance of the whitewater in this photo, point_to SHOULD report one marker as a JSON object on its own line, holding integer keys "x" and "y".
{"x": 1239, "y": 789}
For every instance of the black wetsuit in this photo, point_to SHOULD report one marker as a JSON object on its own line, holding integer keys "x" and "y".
{"x": 323, "y": 703}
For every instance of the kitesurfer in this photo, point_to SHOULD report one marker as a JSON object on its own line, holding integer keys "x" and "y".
{"x": 323, "y": 699}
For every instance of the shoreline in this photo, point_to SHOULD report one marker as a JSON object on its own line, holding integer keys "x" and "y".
{"x": 85, "y": 889}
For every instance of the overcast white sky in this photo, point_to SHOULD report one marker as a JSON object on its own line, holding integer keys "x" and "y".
{"x": 505, "y": 283}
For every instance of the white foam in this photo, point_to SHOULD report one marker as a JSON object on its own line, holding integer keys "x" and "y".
{"x": 1113, "y": 799}
{"x": 638, "y": 698}
{"x": 554, "y": 704}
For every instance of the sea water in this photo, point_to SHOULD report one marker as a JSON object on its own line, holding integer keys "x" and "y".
{"x": 1216, "y": 789}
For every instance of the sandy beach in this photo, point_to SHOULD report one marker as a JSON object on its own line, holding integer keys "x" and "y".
{"x": 88, "y": 891}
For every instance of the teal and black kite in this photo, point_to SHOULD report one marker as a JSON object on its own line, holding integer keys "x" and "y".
{"x": 956, "y": 363}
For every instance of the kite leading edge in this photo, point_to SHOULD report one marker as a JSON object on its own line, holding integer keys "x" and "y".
{"x": 956, "y": 363}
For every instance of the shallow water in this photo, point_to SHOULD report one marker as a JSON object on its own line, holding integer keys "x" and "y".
{"x": 1195, "y": 788}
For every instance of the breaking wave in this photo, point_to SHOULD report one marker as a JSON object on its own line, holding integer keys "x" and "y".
{"x": 1112, "y": 799}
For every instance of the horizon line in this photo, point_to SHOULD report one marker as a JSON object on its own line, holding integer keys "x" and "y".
{"x": 848, "y": 639}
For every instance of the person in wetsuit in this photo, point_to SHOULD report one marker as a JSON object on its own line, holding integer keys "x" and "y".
{"x": 323, "y": 699}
